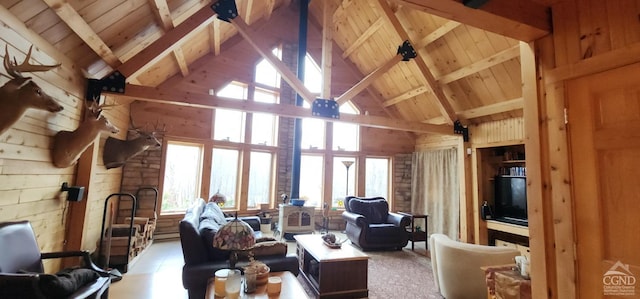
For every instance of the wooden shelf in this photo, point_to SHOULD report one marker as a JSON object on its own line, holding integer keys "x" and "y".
{"x": 508, "y": 228}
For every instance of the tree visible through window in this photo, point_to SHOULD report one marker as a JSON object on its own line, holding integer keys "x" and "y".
{"x": 376, "y": 177}
{"x": 181, "y": 177}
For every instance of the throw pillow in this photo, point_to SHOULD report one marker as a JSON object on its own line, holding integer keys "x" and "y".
{"x": 65, "y": 282}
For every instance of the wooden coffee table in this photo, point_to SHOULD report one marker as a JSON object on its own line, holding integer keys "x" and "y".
{"x": 290, "y": 289}
{"x": 332, "y": 272}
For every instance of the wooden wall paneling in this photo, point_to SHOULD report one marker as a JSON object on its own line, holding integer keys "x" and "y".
{"x": 540, "y": 237}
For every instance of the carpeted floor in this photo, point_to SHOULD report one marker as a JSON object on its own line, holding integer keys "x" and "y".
{"x": 398, "y": 274}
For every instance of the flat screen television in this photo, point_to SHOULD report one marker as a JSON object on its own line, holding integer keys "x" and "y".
{"x": 511, "y": 199}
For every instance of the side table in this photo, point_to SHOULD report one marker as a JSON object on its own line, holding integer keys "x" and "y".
{"x": 415, "y": 235}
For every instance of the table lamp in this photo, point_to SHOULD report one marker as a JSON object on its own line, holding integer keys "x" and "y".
{"x": 236, "y": 235}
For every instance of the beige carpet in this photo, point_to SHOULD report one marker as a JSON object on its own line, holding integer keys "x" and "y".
{"x": 398, "y": 274}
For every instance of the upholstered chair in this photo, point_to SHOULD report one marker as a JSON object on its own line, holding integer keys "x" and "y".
{"x": 456, "y": 266}
{"x": 22, "y": 274}
{"x": 371, "y": 226}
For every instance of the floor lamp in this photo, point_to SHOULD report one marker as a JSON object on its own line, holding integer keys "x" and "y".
{"x": 347, "y": 164}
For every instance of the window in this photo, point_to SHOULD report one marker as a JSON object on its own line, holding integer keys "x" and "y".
{"x": 311, "y": 179}
{"x": 182, "y": 175}
{"x": 313, "y": 133}
{"x": 224, "y": 175}
{"x": 377, "y": 177}
{"x": 312, "y": 75}
{"x": 260, "y": 172}
{"x": 229, "y": 124}
{"x": 266, "y": 74}
{"x": 343, "y": 183}
{"x": 263, "y": 129}
{"x": 346, "y": 136}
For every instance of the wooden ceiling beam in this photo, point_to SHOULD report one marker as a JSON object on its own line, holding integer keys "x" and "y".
{"x": 327, "y": 48}
{"x": 363, "y": 37}
{"x": 270, "y": 6}
{"x": 260, "y": 45}
{"x": 500, "y": 107}
{"x": 247, "y": 14}
{"x": 524, "y": 20}
{"x": 364, "y": 83}
{"x": 214, "y": 37}
{"x": 151, "y": 94}
{"x": 182, "y": 63}
{"x": 445, "y": 107}
{"x": 480, "y": 65}
{"x": 436, "y": 34}
{"x": 75, "y": 21}
{"x": 406, "y": 95}
{"x": 165, "y": 44}
{"x": 161, "y": 12}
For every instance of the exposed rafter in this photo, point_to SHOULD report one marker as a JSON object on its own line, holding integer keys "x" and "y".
{"x": 167, "y": 42}
{"x": 525, "y": 20}
{"x": 75, "y": 21}
{"x": 261, "y": 47}
{"x": 363, "y": 37}
{"x": 445, "y": 106}
{"x": 360, "y": 86}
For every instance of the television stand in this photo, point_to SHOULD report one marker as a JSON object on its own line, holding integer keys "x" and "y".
{"x": 508, "y": 228}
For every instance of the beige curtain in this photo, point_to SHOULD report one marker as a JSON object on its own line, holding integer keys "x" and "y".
{"x": 435, "y": 190}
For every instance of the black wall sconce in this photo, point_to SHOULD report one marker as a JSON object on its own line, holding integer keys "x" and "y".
{"x": 75, "y": 192}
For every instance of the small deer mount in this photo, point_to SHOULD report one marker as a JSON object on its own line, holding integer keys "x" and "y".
{"x": 69, "y": 145}
{"x": 21, "y": 93}
{"x": 118, "y": 152}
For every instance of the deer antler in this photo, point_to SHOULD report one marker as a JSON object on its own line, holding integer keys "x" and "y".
{"x": 14, "y": 69}
{"x": 96, "y": 109}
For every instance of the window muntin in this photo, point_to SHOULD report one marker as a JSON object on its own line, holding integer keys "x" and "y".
{"x": 377, "y": 177}
{"x": 182, "y": 176}
{"x": 260, "y": 173}
{"x": 311, "y": 179}
{"x": 342, "y": 188}
{"x": 224, "y": 175}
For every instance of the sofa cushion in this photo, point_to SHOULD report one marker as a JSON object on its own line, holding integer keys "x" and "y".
{"x": 65, "y": 282}
{"x": 374, "y": 211}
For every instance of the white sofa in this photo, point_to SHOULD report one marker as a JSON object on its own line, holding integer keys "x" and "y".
{"x": 456, "y": 266}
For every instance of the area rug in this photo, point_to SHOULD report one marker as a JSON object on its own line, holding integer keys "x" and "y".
{"x": 397, "y": 274}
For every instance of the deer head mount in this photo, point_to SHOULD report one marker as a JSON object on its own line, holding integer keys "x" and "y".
{"x": 117, "y": 152}
{"x": 21, "y": 93}
{"x": 69, "y": 145}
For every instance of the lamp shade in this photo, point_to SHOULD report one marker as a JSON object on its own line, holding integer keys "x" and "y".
{"x": 235, "y": 235}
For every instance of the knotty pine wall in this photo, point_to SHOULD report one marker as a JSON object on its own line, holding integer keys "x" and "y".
{"x": 29, "y": 182}
{"x": 588, "y": 37}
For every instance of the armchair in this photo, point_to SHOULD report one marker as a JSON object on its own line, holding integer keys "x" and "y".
{"x": 371, "y": 226}
{"x": 456, "y": 266}
{"x": 21, "y": 269}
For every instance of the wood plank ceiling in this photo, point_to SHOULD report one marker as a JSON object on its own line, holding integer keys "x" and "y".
{"x": 460, "y": 72}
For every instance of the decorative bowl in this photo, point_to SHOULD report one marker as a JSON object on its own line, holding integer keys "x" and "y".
{"x": 297, "y": 202}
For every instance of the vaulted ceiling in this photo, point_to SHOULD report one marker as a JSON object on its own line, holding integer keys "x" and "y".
{"x": 467, "y": 66}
